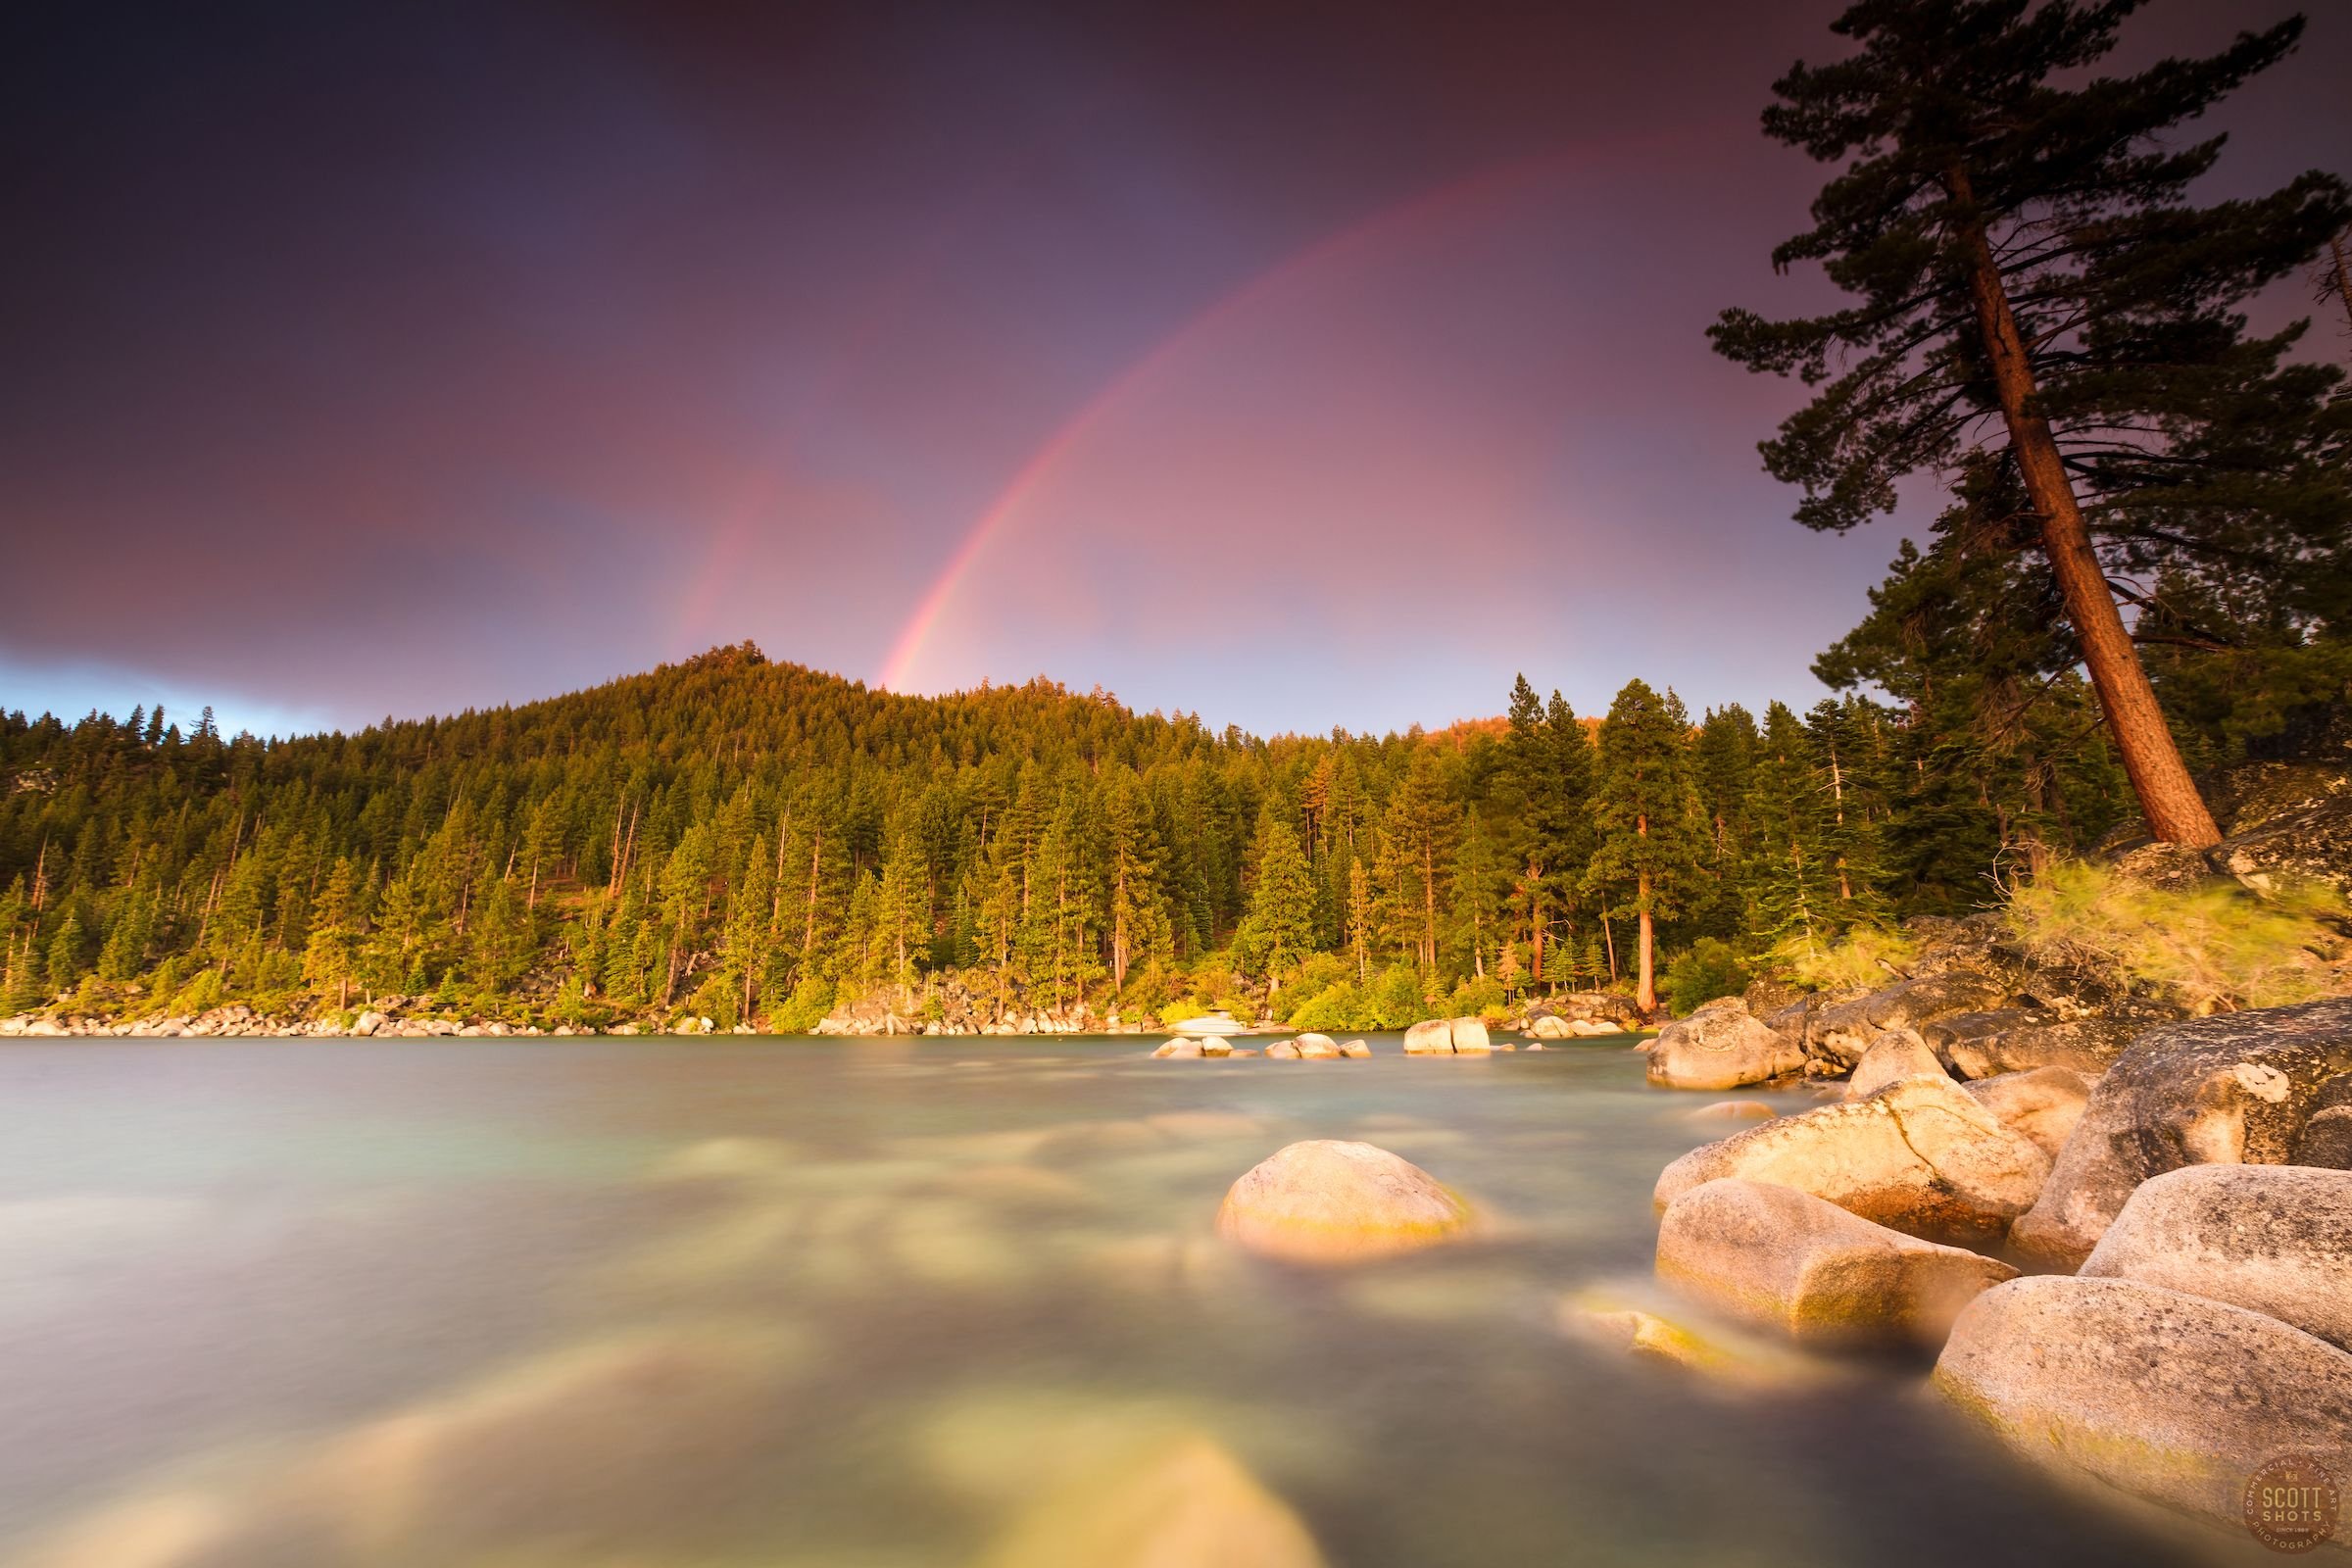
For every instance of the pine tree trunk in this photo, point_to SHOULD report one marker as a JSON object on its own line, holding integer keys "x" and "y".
{"x": 1535, "y": 920}
{"x": 1645, "y": 989}
{"x": 2167, "y": 797}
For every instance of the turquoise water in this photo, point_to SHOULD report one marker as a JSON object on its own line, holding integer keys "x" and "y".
{"x": 885, "y": 1302}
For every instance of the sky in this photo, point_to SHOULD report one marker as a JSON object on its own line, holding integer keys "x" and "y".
{"x": 1293, "y": 364}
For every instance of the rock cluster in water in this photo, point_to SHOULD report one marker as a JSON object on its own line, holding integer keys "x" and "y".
{"x": 2190, "y": 1173}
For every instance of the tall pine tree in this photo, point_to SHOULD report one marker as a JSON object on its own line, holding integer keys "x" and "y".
{"x": 2027, "y": 262}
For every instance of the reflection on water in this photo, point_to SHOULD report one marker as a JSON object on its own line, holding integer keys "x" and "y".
{"x": 717, "y": 1303}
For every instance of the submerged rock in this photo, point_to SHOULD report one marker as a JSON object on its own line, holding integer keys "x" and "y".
{"x": 1283, "y": 1051}
{"x": 580, "y": 1444}
{"x": 1330, "y": 1200}
{"x": 2164, "y": 1396}
{"x": 1187, "y": 1502}
{"x": 1721, "y": 1045}
{"x": 2272, "y": 1238}
{"x": 2234, "y": 1089}
{"x": 1356, "y": 1048}
{"x": 1788, "y": 1260}
{"x": 1919, "y": 1155}
{"x": 1733, "y": 1110}
{"x": 1317, "y": 1048}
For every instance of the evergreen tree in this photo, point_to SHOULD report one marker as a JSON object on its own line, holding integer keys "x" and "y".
{"x": 1791, "y": 894}
{"x": 1546, "y": 780}
{"x": 331, "y": 955}
{"x": 1418, "y": 833}
{"x": 1359, "y": 919}
{"x": 1644, "y": 806}
{"x": 1723, "y": 759}
{"x": 1280, "y": 928}
{"x": 64, "y": 969}
{"x": 2024, "y": 255}
{"x": 1137, "y": 913}
{"x": 1479, "y": 889}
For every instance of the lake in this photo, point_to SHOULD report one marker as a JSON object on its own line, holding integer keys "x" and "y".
{"x": 736, "y": 1301}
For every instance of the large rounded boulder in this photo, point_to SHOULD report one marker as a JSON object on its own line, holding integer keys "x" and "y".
{"x": 1329, "y": 1201}
{"x": 2272, "y": 1238}
{"x": 2169, "y": 1397}
{"x": 2235, "y": 1089}
{"x": 1722, "y": 1046}
{"x": 1920, "y": 1156}
{"x": 1788, "y": 1260}
{"x": 1432, "y": 1037}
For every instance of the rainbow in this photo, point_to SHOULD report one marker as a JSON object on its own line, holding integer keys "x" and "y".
{"x": 1433, "y": 203}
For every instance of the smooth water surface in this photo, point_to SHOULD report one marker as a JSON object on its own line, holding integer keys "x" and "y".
{"x": 881, "y": 1302}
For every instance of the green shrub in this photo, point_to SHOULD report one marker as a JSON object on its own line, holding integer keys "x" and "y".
{"x": 2218, "y": 943}
{"x": 1333, "y": 1008}
{"x": 1241, "y": 1008}
{"x": 1706, "y": 969}
{"x": 1395, "y": 1000}
{"x": 1860, "y": 958}
{"x": 809, "y": 1001}
{"x": 1476, "y": 997}
{"x": 201, "y": 994}
{"x": 1147, "y": 992}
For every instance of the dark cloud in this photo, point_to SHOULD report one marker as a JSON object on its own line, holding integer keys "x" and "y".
{"x": 369, "y": 358}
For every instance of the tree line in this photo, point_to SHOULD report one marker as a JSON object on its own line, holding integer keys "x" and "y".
{"x": 752, "y": 840}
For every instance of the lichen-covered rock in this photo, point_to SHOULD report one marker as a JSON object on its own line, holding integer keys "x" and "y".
{"x": 2326, "y": 1140}
{"x": 2042, "y": 1104}
{"x": 1721, "y": 1045}
{"x": 1788, "y": 1260}
{"x": 2165, "y": 1396}
{"x": 1432, "y": 1037}
{"x": 1898, "y": 1054}
{"x": 2272, "y": 1239}
{"x": 1330, "y": 1200}
{"x": 2235, "y": 1088}
{"x": 2310, "y": 841}
{"x": 1919, "y": 1155}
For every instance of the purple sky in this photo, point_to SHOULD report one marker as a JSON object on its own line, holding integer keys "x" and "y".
{"x": 1296, "y": 364}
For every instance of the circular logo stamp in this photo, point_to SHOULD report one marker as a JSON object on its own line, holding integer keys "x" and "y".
{"x": 2292, "y": 1503}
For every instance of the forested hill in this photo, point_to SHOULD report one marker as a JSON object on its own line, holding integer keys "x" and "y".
{"x": 750, "y": 840}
